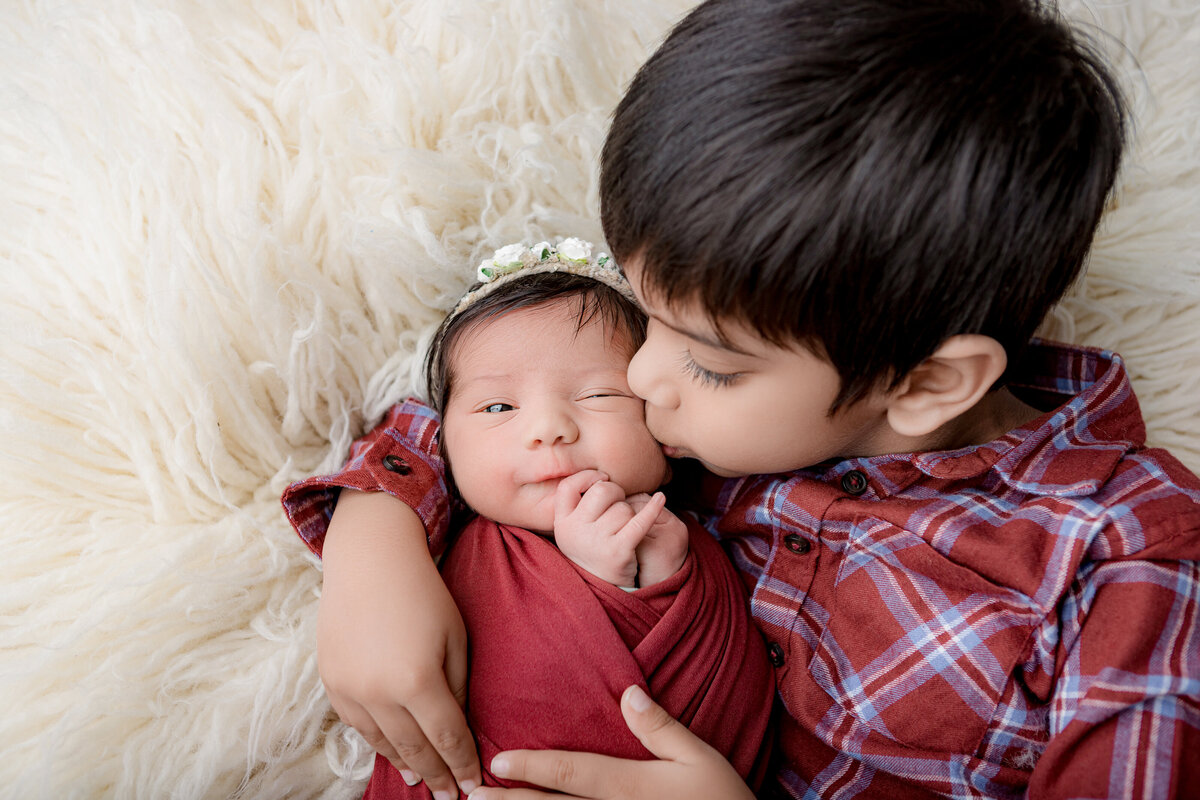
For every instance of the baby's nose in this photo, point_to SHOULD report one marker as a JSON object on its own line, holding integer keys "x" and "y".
{"x": 552, "y": 426}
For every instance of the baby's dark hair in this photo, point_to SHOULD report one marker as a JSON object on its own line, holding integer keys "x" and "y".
{"x": 598, "y": 302}
{"x": 865, "y": 177}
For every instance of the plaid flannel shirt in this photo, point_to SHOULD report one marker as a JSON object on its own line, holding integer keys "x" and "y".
{"x": 1016, "y": 619}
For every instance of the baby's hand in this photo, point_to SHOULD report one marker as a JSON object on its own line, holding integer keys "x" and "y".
{"x": 662, "y": 551}
{"x": 598, "y": 529}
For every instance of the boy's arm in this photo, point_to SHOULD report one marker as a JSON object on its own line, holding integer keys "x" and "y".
{"x": 686, "y": 765}
{"x": 1125, "y": 718}
{"x": 391, "y": 646}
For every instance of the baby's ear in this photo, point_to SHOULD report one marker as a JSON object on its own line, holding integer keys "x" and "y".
{"x": 946, "y": 385}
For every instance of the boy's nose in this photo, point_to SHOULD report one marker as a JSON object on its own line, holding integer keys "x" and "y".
{"x": 648, "y": 382}
{"x": 552, "y": 426}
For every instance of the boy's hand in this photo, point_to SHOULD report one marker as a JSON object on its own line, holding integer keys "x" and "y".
{"x": 598, "y": 529}
{"x": 391, "y": 645}
{"x": 661, "y": 553}
{"x": 688, "y": 767}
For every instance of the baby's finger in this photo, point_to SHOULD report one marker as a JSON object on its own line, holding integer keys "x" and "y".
{"x": 571, "y": 488}
{"x": 600, "y": 498}
{"x": 637, "y": 501}
{"x": 636, "y": 529}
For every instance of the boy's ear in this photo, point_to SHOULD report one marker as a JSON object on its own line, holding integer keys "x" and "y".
{"x": 946, "y": 385}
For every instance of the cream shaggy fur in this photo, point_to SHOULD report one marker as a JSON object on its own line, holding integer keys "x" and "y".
{"x": 226, "y": 228}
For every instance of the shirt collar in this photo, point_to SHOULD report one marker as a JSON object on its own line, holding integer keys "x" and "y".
{"x": 1069, "y": 451}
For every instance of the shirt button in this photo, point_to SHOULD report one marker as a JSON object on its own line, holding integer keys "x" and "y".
{"x": 775, "y": 654}
{"x": 397, "y": 465}
{"x": 797, "y": 543}
{"x": 854, "y": 482}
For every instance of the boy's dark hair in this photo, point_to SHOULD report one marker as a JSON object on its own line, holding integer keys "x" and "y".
{"x": 865, "y": 177}
{"x": 597, "y": 302}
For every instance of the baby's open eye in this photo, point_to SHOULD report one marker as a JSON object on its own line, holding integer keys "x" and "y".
{"x": 497, "y": 408}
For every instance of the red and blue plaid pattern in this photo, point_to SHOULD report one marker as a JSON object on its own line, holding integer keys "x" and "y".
{"x": 399, "y": 456}
{"x": 1016, "y": 619}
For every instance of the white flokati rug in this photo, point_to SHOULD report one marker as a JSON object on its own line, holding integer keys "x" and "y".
{"x": 224, "y": 228}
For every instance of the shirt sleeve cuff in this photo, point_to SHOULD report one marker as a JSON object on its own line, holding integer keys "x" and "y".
{"x": 398, "y": 457}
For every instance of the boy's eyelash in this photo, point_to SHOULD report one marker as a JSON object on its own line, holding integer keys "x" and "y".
{"x": 707, "y": 377}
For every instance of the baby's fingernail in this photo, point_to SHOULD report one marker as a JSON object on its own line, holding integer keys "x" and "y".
{"x": 479, "y": 794}
{"x": 444, "y": 795}
{"x": 409, "y": 777}
{"x": 468, "y": 786}
{"x": 638, "y": 699}
{"x": 500, "y": 766}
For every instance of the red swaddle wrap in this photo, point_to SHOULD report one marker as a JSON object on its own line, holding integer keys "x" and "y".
{"x": 553, "y": 648}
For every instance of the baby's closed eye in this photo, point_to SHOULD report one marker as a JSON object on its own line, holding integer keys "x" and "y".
{"x": 604, "y": 400}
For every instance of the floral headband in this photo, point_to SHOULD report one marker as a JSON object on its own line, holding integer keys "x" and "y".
{"x": 573, "y": 256}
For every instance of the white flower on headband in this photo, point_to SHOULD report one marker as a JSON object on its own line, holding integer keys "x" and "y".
{"x": 575, "y": 249}
{"x": 571, "y": 256}
{"x": 514, "y": 257}
{"x": 505, "y": 260}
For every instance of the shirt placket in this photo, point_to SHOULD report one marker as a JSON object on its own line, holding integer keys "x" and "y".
{"x": 799, "y": 564}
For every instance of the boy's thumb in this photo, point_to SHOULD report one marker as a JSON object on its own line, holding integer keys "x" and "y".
{"x": 658, "y": 731}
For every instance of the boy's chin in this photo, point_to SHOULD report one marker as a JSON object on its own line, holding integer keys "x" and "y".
{"x": 715, "y": 469}
{"x": 721, "y": 471}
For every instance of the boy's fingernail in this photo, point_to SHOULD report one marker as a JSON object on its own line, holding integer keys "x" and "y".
{"x": 409, "y": 777}
{"x": 468, "y": 786}
{"x": 638, "y": 699}
{"x": 500, "y": 766}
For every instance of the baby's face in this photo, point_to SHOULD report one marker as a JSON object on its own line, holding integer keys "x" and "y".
{"x": 533, "y": 401}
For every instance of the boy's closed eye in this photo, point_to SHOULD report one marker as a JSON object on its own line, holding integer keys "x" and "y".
{"x": 705, "y": 376}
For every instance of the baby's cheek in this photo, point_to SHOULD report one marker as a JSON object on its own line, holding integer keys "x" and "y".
{"x": 645, "y": 467}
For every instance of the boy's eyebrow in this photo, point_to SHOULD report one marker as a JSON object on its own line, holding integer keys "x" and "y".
{"x": 704, "y": 338}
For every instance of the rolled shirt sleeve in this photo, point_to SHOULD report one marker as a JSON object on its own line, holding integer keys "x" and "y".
{"x": 399, "y": 456}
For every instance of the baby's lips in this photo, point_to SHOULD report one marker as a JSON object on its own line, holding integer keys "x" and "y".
{"x": 559, "y": 474}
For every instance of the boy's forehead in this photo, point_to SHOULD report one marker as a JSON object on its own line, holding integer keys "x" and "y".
{"x": 731, "y": 336}
{"x": 687, "y": 316}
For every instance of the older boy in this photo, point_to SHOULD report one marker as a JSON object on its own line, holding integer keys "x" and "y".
{"x": 846, "y": 218}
